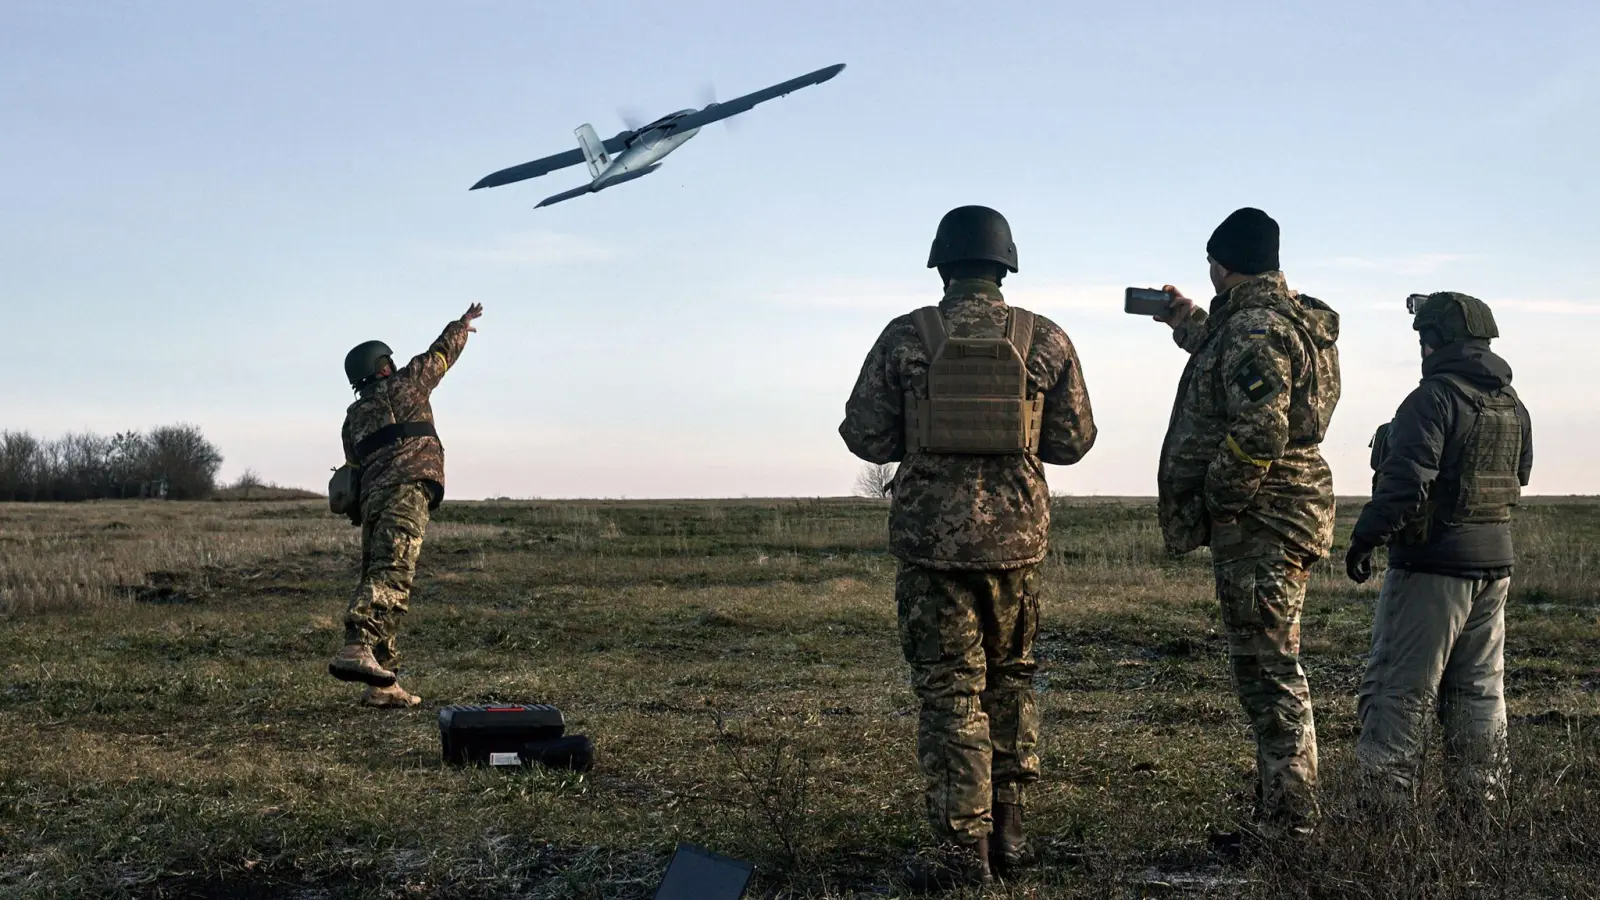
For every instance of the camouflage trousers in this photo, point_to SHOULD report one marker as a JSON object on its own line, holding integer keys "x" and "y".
{"x": 968, "y": 637}
{"x": 1438, "y": 649}
{"x": 1261, "y": 588}
{"x": 392, "y": 526}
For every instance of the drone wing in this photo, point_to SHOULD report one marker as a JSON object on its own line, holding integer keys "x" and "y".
{"x": 548, "y": 164}
{"x": 719, "y": 111}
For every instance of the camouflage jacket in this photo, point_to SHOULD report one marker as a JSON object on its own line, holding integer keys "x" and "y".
{"x": 1252, "y": 409}
{"x": 403, "y": 397}
{"x": 960, "y": 511}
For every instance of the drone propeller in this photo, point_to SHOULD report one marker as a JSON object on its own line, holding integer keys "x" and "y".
{"x": 708, "y": 96}
{"x": 630, "y": 117}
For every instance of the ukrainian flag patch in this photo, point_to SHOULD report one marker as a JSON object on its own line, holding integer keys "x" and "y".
{"x": 1258, "y": 334}
{"x": 1254, "y": 382}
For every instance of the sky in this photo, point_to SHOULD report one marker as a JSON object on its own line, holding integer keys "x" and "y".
{"x": 203, "y": 206}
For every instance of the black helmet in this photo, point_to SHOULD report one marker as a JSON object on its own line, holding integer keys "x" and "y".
{"x": 1446, "y": 317}
{"x": 971, "y": 233}
{"x": 362, "y": 362}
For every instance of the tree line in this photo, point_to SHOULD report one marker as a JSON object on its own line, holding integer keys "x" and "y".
{"x": 173, "y": 462}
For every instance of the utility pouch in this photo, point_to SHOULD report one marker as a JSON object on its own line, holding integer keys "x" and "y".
{"x": 344, "y": 488}
{"x": 344, "y": 493}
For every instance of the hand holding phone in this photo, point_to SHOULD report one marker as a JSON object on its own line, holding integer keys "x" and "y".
{"x": 1148, "y": 302}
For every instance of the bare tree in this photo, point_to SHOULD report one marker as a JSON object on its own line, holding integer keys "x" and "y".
{"x": 175, "y": 461}
{"x": 85, "y": 462}
{"x": 130, "y": 458}
{"x": 188, "y": 462}
{"x": 247, "y": 484}
{"x": 19, "y": 464}
{"x": 876, "y": 480}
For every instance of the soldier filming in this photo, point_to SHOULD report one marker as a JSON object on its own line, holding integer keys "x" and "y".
{"x": 972, "y": 397}
{"x": 1448, "y": 470}
{"x": 395, "y": 466}
{"x": 1242, "y": 472}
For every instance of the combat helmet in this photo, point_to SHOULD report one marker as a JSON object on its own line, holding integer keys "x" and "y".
{"x": 973, "y": 233}
{"x": 1446, "y": 317}
{"x": 363, "y": 360}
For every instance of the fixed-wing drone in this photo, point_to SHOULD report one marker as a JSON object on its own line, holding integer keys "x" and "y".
{"x": 637, "y": 152}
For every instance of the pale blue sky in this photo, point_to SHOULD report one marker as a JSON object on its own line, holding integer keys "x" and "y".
{"x": 205, "y": 205}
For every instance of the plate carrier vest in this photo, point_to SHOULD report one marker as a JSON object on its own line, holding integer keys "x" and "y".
{"x": 977, "y": 400}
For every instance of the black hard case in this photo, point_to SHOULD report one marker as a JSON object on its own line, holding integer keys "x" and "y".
{"x": 469, "y": 734}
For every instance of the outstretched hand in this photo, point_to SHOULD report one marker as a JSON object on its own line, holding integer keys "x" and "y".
{"x": 473, "y": 311}
{"x": 1180, "y": 309}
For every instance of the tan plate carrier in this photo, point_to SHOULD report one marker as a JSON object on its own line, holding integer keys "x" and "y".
{"x": 977, "y": 390}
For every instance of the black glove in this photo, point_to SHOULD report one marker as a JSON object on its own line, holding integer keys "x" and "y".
{"x": 1358, "y": 562}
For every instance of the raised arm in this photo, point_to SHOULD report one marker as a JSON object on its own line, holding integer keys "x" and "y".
{"x": 1187, "y": 321}
{"x": 428, "y": 367}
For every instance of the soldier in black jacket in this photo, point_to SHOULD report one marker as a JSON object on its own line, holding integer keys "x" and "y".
{"x": 1448, "y": 470}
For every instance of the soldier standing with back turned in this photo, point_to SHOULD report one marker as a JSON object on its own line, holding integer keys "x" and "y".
{"x": 389, "y": 438}
{"x": 1449, "y": 468}
{"x": 972, "y": 397}
{"x": 1241, "y": 472}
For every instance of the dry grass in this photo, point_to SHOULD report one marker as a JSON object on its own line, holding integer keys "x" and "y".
{"x": 737, "y": 666}
{"x": 261, "y": 493}
{"x": 79, "y": 556}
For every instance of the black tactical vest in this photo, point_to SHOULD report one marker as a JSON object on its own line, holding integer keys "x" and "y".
{"x": 1482, "y": 486}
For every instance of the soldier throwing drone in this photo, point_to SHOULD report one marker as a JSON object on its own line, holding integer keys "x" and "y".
{"x": 392, "y": 479}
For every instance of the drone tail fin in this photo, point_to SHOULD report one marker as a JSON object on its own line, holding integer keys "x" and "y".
{"x": 594, "y": 151}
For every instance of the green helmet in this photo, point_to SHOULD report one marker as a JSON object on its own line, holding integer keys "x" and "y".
{"x": 973, "y": 233}
{"x": 362, "y": 362}
{"x": 1446, "y": 317}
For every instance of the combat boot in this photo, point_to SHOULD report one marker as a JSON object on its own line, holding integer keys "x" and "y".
{"x": 1009, "y": 850}
{"x": 952, "y": 865}
{"x": 355, "y": 662}
{"x": 391, "y": 697}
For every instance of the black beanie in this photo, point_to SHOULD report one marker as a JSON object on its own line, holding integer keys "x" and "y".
{"x": 1246, "y": 242}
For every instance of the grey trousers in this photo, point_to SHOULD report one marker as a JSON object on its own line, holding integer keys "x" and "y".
{"x": 1438, "y": 649}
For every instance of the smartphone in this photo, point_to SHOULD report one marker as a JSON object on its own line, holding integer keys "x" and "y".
{"x": 1147, "y": 302}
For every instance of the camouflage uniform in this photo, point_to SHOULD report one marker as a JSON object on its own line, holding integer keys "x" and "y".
{"x": 968, "y": 636}
{"x": 393, "y": 522}
{"x": 1241, "y": 472}
{"x": 400, "y": 485}
{"x": 969, "y": 531}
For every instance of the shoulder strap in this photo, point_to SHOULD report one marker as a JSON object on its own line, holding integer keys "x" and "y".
{"x": 930, "y": 327}
{"x": 1020, "y": 332}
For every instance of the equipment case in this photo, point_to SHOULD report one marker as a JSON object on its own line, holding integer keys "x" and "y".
{"x": 496, "y": 735}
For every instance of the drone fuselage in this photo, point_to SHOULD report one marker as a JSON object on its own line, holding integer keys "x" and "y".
{"x": 639, "y": 151}
{"x": 650, "y": 146}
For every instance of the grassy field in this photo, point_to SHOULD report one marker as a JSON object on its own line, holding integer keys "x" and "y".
{"x": 167, "y": 727}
